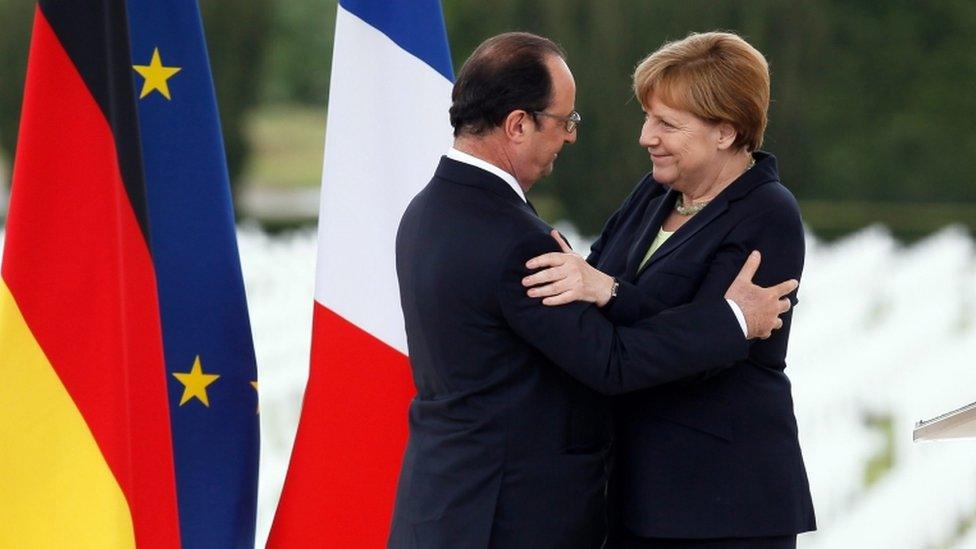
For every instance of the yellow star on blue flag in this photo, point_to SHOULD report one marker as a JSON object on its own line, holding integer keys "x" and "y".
{"x": 203, "y": 312}
{"x": 156, "y": 76}
{"x": 195, "y": 383}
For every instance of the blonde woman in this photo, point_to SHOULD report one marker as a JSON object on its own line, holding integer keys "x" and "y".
{"x": 713, "y": 460}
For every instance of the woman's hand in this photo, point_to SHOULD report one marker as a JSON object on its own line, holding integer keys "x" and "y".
{"x": 566, "y": 277}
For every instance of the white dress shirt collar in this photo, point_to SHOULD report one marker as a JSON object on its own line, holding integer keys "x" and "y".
{"x": 466, "y": 158}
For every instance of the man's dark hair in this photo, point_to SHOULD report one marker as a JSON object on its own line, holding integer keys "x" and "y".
{"x": 507, "y": 72}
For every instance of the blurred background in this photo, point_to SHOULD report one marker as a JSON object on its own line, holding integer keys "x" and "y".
{"x": 873, "y": 121}
{"x": 872, "y": 116}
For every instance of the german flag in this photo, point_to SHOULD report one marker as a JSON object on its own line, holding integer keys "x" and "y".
{"x": 86, "y": 457}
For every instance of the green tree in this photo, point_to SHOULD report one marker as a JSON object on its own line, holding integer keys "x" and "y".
{"x": 237, "y": 34}
{"x": 870, "y": 101}
{"x": 17, "y": 16}
{"x": 297, "y": 61}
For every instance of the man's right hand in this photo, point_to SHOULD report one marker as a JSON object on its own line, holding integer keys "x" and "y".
{"x": 761, "y": 306}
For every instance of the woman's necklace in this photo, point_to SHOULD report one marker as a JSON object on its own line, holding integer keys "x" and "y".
{"x": 696, "y": 207}
{"x": 680, "y": 207}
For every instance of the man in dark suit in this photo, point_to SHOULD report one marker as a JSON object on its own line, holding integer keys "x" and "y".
{"x": 509, "y": 433}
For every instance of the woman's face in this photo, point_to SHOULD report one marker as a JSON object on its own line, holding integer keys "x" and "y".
{"x": 685, "y": 150}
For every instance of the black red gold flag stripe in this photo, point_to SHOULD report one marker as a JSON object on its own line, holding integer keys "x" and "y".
{"x": 88, "y": 457}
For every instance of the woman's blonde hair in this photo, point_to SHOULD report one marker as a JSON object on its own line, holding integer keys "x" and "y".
{"x": 717, "y": 76}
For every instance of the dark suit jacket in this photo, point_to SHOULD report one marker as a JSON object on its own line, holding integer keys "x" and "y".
{"x": 713, "y": 455}
{"x": 508, "y": 432}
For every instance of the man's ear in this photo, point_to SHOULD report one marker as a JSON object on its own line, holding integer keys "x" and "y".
{"x": 515, "y": 125}
{"x": 726, "y": 135}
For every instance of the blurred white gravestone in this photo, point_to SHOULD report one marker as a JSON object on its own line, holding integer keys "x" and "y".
{"x": 957, "y": 424}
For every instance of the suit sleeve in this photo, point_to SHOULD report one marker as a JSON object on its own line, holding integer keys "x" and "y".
{"x": 612, "y": 360}
{"x": 778, "y": 234}
{"x": 630, "y": 305}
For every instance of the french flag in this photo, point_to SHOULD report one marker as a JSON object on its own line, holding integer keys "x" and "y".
{"x": 388, "y": 125}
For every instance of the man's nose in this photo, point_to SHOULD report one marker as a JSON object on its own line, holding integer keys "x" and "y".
{"x": 571, "y": 137}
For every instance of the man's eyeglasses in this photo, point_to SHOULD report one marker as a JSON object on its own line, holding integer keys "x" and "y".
{"x": 571, "y": 122}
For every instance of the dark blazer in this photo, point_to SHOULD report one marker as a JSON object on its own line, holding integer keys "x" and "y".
{"x": 712, "y": 455}
{"x": 508, "y": 432}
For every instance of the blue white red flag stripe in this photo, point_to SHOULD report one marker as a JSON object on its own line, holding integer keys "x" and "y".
{"x": 387, "y": 126}
{"x": 416, "y": 26}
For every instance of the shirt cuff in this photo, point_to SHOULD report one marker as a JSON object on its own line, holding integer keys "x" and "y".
{"x": 739, "y": 316}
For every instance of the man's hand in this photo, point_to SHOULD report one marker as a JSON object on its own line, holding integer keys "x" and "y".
{"x": 761, "y": 306}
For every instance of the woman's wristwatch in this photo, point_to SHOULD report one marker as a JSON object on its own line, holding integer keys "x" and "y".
{"x": 613, "y": 290}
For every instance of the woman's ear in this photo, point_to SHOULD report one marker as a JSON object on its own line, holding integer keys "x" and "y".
{"x": 726, "y": 135}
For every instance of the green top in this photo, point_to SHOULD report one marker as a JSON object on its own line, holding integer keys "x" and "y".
{"x": 662, "y": 235}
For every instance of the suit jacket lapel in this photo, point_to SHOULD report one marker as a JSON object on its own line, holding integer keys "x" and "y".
{"x": 763, "y": 172}
{"x": 654, "y": 216}
{"x": 710, "y": 213}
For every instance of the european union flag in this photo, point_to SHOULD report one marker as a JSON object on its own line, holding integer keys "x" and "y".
{"x": 206, "y": 331}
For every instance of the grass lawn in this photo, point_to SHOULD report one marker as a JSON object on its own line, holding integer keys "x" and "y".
{"x": 287, "y": 145}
